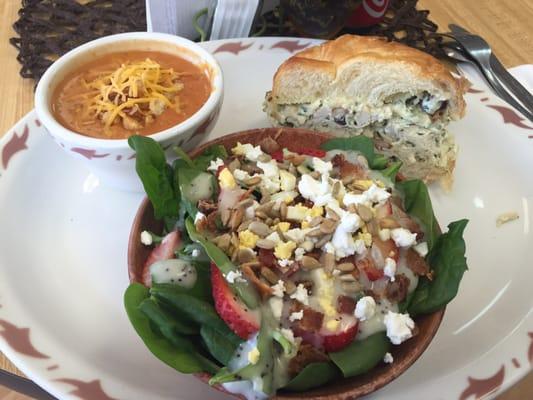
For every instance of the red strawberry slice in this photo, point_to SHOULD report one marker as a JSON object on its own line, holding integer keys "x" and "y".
{"x": 343, "y": 336}
{"x": 234, "y": 313}
{"x": 306, "y": 151}
{"x": 163, "y": 251}
{"x": 277, "y": 155}
{"x": 368, "y": 266}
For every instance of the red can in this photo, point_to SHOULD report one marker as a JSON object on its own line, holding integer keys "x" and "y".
{"x": 369, "y": 13}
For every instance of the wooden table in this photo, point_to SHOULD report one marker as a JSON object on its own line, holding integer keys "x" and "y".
{"x": 506, "y": 25}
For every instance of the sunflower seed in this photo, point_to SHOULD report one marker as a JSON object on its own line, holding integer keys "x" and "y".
{"x": 225, "y": 216}
{"x": 269, "y": 275}
{"x": 264, "y": 158}
{"x": 346, "y": 267}
{"x": 265, "y": 244}
{"x": 234, "y": 164}
{"x": 323, "y": 241}
{"x": 328, "y": 226}
{"x": 315, "y": 233}
{"x": 347, "y": 179}
{"x": 261, "y": 214}
{"x": 315, "y": 221}
{"x": 315, "y": 174}
{"x": 290, "y": 287}
{"x": 245, "y": 203}
{"x": 351, "y": 287}
{"x": 245, "y": 255}
{"x": 365, "y": 212}
{"x": 352, "y": 208}
{"x": 388, "y": 223}
{"x": 332, "y": 214}
{"x": 244, "y": 225}
{"x": 223, "y": 241}
{"x": 310, "y": 263}
{"x": 336, "y": 189}
{"x": 283, "y": 210}
{"x": 307, "y": 245}
{"x": 235, "y": 240}
{"x": 236, "y": 219}
{"x": 347, "y": 278}
{"x": 254, "y": 180}
{"x": 329, "y": 261}
{"x": 259, "y": 228}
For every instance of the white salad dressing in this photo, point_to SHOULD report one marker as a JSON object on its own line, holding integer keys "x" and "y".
{"x": 376, "y": 322}
{"x": 402, "y": 268}
{"x": 174, "y": 271}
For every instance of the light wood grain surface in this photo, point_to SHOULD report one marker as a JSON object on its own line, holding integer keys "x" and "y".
{"x": 506, "y": 25}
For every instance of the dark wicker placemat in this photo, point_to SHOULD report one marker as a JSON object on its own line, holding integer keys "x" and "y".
{"x": 49, "y": 28}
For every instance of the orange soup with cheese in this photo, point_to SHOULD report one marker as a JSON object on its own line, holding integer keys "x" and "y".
{"x": 134, "y": 92}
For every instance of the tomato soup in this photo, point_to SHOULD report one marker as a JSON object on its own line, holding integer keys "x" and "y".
{"x": 135, "y": 92}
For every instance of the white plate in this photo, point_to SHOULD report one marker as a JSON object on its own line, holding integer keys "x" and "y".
{"x": 63, "y": 242}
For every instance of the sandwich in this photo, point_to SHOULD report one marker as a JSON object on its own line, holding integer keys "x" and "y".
{"x": 401, "y": 97}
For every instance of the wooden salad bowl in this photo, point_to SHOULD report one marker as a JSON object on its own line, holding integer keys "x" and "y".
{"x": 342, "y": 389}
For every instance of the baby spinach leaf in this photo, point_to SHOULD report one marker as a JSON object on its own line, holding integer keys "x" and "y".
{"x": 222, "y": 345}
{"x": 167, "y": 323}
{"x": 312, "y": 376}
{"x": 361, "y": 355}
{"x": 184, "y": 360}
{"x": 210, "y": 154}
{"x": 201, "y": 289}
{"x": 448, "y": 262}
{"x": 244, "y": 290}
{"x": 362, "y": 144}
{"x": 155, "y": 174}
{"x": 183, "y": 156}
{"x": 391, "y": 171}
{"x": 417, "y": 203}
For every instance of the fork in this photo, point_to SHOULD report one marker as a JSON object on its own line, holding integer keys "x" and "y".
{"x": 480, "y": 52}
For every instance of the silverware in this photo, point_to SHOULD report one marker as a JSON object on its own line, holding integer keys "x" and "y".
{"x": 478, "y": 50}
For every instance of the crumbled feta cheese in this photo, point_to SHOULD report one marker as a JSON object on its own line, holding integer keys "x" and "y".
{"x": 360, "y": 246}
{"x": 276, "y": 305}
{"x": 390, "y": 268}
{"x": 278, "y": 289}
{"x": 365, "y": 308}
{"x": 270, "y": 168}
{"x": 323, "y": 167}
{"x": 421, "y": 248}
{"x": 146, "y": 238}
{"x": 384, "y": 234}
{"x": 342, "y": 240}
{"x": 198, "y": 217}
{"x": 253, "y": 356}
{"x": 195, "y": 253}
{"x": 297, "y": 235}
{"x": 299, "y": 253}
{"x": 274, "y": 237}
{"x": 373, "y": 194}
{"x": 249, "y": 212}
{"x": 284, "y": 263}
{"x": 318, "y": 192}
{"x": 301, "y": 294}
{"x": 287, "y": 180}
{"x": 214, "y": 165}
{"x": 328, "y": 248}
{"x": 296, "y": 316}
{"x": 403, "y": 237}
{"x": 234, "y": 276}
{"x": 388, "y": 358}
{"x": 250, "y": 152}
{"x": 288, "y": 334}
{"x": 399, "y": 327}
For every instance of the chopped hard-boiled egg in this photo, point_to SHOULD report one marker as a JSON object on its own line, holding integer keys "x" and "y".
{"x": 248, "y": 239}
{"x": 287, "y": 180}
{"x": 226, "y": 179}
{"x": 283, "y": 226}
{"x": 297, "y": 212}
{"x": 284, "y": 250}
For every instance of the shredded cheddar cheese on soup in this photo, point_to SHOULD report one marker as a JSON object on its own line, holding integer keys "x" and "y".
{"x": 134, "y": 93}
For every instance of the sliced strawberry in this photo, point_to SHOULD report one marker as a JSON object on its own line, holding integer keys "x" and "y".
{"x": 306, "y": 151}
{"x": 343, "y": 336}
{"x": 368, "y": 267}
{"x": 163, "y": 251}
{"x": 234, "y": 313}
{"x": 277, "y": 155}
